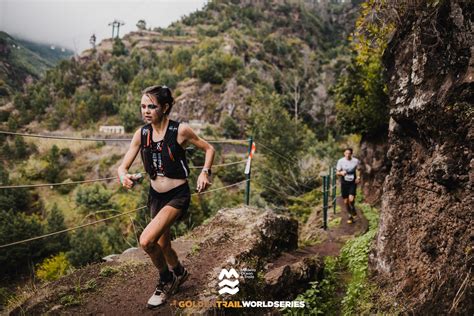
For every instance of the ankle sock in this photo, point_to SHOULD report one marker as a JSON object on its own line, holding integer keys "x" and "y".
{"x": 179, "y": 269}
{"x": 166, "y": 276}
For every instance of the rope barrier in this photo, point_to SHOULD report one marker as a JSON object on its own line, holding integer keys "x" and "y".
{"x": 224, "y": 187}
{"x": 52, "y": 184}
{"x": 99, "y": 180}
{"x": 66, "y": 137}
{"x": 106, "y": 219}
{"x": 292, "y": 160}
{"x": 223, "y": 141}
{"x": 221, "y": 165}
{"x": 70, "y": 229}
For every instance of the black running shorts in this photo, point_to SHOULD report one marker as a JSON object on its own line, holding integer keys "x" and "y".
{"x": 348, "y": 188}
{"x": 178, "y": 197}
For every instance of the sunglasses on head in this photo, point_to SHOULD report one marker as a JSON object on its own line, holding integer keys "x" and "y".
{"x": 155, "y": 88}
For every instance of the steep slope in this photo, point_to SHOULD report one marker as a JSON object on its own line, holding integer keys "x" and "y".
{"x": 21, "y": 59}
{"x": 214, "y": 59}
{"x": 424, "y": 251}
{"x": 259, "y": 244}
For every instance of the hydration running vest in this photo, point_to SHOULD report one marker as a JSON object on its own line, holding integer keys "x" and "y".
{"x": 166, "y": 157}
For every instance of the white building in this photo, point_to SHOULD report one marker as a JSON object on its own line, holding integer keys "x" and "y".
{"x": 112, "y": 129}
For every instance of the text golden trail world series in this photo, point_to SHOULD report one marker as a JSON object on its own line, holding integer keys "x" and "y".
{"x": 238, "y": 304}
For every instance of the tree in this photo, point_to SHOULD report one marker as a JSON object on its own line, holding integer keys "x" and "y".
{"x": 86, "y": 247}
{"x": 55, "y": 223}
{"x": 141, "y": 24}
{"x": 361, "y": 98}
{"x": 118, "y": 48}
{"x": 93, "y": 198}
{"x": 230, "y": 129}
{"x": 53, "y": 169}
{"x": 17, "y": 226}
{"x": 216, "y": 66}
{"x": 130, "y": 116}
{"x": 21, "y": 148}
{"x": 279, "y": 170}
{"x": 18, "y": 199}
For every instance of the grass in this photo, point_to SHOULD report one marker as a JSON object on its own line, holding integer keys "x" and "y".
{"x": 195, "y": 249}
{"x": 108, "y": 271}
{"x": 346, "y": 274}
{"x": 335, "y": 222}
{"x": 354, "y": 256}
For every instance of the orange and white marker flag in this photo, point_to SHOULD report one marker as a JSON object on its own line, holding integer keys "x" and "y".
{"x": 247, "y": 166}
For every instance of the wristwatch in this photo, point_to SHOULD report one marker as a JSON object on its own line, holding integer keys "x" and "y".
{"x": 207, "y": 171}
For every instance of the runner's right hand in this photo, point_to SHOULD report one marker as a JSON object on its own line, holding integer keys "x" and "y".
{"x": 127, "y": 181}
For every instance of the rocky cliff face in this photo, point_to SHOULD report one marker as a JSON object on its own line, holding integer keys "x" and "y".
{"x": 375, "y": 166}
{"x": 424, "y": 249}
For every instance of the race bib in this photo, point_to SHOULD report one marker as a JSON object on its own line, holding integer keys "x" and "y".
{"x": 349, "y": 177}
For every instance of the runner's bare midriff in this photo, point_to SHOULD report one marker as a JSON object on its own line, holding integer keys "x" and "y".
{"x": 163, "y": 184}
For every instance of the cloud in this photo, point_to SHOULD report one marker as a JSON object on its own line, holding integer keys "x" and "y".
{"x": 70, "y": 23}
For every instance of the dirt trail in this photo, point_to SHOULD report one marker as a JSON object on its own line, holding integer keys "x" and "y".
{"x": 127, "y": 291}
{"x": 336, "y": 238}
{"x": 130, "y": 297}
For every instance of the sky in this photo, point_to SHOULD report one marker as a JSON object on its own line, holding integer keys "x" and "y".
{"x": 70, "y": 23}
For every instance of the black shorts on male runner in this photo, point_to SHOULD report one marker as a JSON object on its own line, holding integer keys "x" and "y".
{"x": 348, "y": 188}
{"x": 178, "y": 197}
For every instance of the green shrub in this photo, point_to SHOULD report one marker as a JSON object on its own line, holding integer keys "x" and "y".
{"x": 361, "y": 100}
{"x": 55, "y": 223}
{"x": 16, "y": 226}
{"x": 108, "y": 271}
{"x": 232, "y": 173}
{"x": 275, "y": 45}
{"x": 355, "y": 255}
{"x": 5, "y": 295}
{"x": 93, "y": 198}
{"x": 66, "y": 188}
{"x": 216, "y": 66}
{"x": 20, "y": 199}
{"x": 361, "y": 96}
{"x": 230, "y": 128}
{"x": 112, "y": 237}
{"x": 86, "y": 247}
{"x": 130, "y": 116}
{"x": 53, "y": 268}
{"x": 168, "y": 78}
{"x": 279, "y": 172}
{"x": 119, "y": 48}
{"x": 320, "y": 298}
{"x": 302, "y": 206}
{"x": 53, "y": 168}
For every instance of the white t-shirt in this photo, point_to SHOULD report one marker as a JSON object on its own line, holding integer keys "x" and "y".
{"x": 349, "y": 166}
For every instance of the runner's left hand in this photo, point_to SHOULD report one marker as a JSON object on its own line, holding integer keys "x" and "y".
{"x": 203, "y": 182}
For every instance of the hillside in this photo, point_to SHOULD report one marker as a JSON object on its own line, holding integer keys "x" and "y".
{"x": 23, "y": 61}
{"x": 398, "y": 90}
{"x": 236, "y": 68}
{"x": 214, "y": 59}
{"x": 244, "y": 238}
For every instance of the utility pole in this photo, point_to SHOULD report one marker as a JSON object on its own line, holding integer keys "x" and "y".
{"x": 119, "y": 23}
{"x": 116, "y": 24}
{"x": 113, "y": 28}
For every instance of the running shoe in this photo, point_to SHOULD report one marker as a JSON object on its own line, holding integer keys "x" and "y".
{"x": 162, "y": 292}
{"x": 181, "y": 279}
{"x": 353, "y": 210}
{"x": 350, "y": 220}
